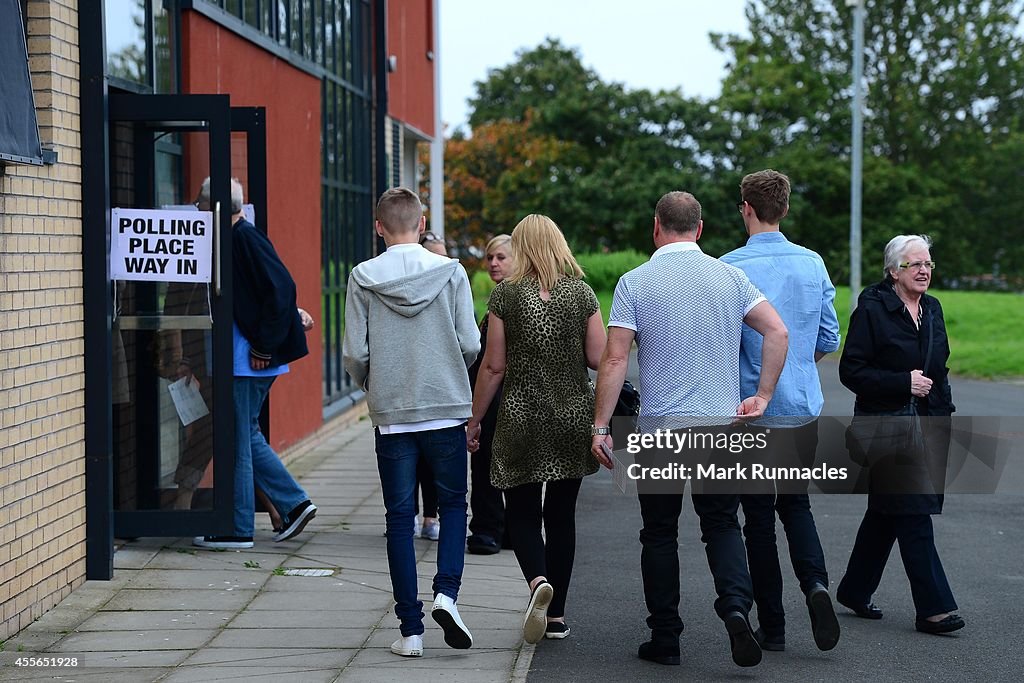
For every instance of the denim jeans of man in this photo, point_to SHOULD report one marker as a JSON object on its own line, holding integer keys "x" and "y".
{"x": 255, "y": 461}
{"x": 397, "y": 456}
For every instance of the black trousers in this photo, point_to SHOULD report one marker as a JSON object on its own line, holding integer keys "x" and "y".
{"x": 794, "y": 510}
{"x": 659, "y": 557}
{"x": 524, "y": 514}
{"x": 487, "y": 503}
{"x": 916, "y": 536}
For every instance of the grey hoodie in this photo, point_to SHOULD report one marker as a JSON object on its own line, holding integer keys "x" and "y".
{"x": 410, "y": 335}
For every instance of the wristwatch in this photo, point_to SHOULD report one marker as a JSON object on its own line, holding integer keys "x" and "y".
{"x": 599, "y": 431}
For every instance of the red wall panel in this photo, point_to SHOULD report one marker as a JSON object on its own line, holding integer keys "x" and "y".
{"x": 411, "y": 86}
{"x": 215, "y": 60}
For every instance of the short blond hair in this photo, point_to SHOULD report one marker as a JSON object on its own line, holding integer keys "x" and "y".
{"x": 497, "y": 242}
{"x": 541, "y": 252}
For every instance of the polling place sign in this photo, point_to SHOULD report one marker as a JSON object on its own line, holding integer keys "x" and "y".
{"x": 167, "y": 246}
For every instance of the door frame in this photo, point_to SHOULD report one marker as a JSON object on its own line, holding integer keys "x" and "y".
{"x": 209, "y": 114}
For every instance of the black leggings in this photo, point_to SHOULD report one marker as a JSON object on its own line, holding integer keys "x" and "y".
{"x": 523, "y": 515}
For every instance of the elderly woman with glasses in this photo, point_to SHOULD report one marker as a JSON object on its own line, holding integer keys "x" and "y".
{"x": 895, "y": 362}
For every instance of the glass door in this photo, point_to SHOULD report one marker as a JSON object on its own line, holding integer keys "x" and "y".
{"x": 171, "y": 378}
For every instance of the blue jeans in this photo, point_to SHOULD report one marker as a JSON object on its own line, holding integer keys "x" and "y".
{"x": 397, "y": 456}
{"x": 255, "y": 461}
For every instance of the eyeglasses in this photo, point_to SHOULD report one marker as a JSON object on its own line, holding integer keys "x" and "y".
{"x": 429, "y": 237}
{"x": 739, "y": 205}
{"x": 918, "y": 265}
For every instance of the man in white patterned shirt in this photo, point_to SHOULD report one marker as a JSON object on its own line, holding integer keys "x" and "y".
{"x": 686, "y": 312}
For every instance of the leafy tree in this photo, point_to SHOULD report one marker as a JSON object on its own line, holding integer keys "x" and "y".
{"x": 944, "y": 82}
{"x": 620, "y": 149}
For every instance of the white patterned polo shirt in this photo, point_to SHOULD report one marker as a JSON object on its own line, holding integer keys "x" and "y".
{"x": 687, "y": 311}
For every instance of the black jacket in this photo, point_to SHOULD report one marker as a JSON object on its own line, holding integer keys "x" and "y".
{"x": 883, "y": 346}
{"x": 490, "y": 421}
{"x": 264, "y": 298}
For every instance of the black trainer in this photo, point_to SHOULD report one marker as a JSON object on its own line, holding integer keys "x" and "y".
{"x": 556, "y": 630}
{"x": 298, "y": 518}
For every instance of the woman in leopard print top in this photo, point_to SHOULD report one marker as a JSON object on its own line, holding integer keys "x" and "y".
{"x": 545, "y": 329}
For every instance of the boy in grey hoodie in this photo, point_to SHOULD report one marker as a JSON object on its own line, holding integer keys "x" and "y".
{"x": 410, "y": 335}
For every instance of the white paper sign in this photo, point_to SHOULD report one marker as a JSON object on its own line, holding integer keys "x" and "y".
{"x": 187, "y": 401}
{"x": 165, "y": 246}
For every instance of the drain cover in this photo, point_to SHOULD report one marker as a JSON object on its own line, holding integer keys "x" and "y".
{"x": 308, "y": 572}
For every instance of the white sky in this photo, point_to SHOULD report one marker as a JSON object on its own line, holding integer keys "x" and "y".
{"x": 649, "y": 44}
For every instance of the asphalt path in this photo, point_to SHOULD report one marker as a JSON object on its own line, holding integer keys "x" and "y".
{"x": 980, "y": 539}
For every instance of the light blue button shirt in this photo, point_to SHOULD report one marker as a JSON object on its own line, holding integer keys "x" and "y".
{"x": 796, "y": 283}
{"x": 241, "y": 357}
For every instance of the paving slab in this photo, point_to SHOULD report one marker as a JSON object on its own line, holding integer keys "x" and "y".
{"x": 177, "y": 613}
{"x": 121, "y": 641}
{"x": 150, "y": 599}
{"x": 201, "y": 579}
{"x": 308, "y": 618}
{"x": 313, "y": 600}
{"x": 86, "y": 674}
{"x": 317, "y": 658}
{"x": 155, "y": 620}
{"x": 291, "y": 638}
{"x": 253, "y": 674}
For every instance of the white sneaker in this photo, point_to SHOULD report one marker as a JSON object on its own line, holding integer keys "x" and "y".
{"x": 431, "y": 529}
{"x": 408, "y": 646}
{"x": 446, "y": 614}
{"x": 417, "y": 526}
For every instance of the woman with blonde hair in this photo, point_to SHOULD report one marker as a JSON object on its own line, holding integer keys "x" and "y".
{"x": 545, "y": 329}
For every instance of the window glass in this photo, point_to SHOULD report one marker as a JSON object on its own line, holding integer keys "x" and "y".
{"x": 126, "y": 40}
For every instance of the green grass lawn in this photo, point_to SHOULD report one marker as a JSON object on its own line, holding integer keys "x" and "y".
{"x": 986, "y": 329}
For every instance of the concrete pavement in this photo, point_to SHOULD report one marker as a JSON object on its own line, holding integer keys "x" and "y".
{"x": 175, "y": 613}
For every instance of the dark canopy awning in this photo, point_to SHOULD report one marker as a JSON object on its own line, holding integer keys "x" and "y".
{"x": 19, "y": 133}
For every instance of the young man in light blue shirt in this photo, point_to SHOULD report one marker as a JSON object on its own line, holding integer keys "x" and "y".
{"x": 796, "y": 283}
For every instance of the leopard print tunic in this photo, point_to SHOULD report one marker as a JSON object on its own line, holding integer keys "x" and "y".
{"x": 543, "y": 430}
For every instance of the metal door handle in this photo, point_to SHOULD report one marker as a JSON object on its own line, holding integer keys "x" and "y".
{"x": 216, "y": 249}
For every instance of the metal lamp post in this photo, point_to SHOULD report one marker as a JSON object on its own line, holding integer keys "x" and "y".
{"x": 857, "y": 151}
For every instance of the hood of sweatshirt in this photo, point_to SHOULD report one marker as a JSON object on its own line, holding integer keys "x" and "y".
{"x": 406, "y": 294}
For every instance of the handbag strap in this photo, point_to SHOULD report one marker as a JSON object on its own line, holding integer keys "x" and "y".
{"x": 928, "y": 348}
{"x": 927, "y": 357}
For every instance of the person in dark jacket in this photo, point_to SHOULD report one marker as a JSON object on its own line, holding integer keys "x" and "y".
{"x": 269, "y": 332}
{"x": 895, "y": 362}
{"x": 487, "y": 526}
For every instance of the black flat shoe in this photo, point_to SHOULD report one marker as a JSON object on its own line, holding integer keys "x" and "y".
{"x": 824, "y": 625}
{"x": 770, "y": 643}
{"x": 745, "y": 650}
{"x": 482, "y": 545}
{"x": 658, "y": 653}
{"x": 868, "y": 611}
{"x": 954, "y": 622}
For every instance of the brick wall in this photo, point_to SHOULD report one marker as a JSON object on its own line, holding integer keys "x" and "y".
{"x": 42, "y": 454}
